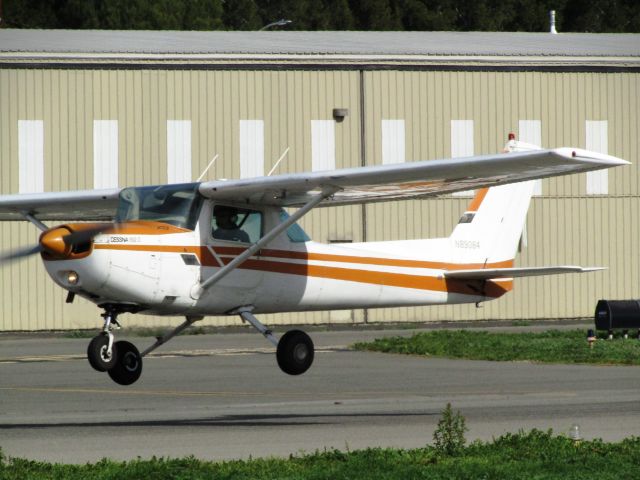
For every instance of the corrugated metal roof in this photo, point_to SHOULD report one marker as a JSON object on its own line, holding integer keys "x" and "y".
{"x": 319, "y": 43}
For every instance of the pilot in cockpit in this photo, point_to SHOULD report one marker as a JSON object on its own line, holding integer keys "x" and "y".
{"x": 226, "y": 225}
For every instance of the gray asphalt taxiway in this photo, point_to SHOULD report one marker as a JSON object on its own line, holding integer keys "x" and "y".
{"x": 223, "y": 397}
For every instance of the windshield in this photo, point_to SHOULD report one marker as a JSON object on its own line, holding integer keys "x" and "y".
{"x": 177, "y": 205}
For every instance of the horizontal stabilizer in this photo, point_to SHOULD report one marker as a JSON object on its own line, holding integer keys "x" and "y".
{"x": 493, "y": 273}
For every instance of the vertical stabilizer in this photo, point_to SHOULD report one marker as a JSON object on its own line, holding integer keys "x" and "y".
{"x": 490, "y": 230}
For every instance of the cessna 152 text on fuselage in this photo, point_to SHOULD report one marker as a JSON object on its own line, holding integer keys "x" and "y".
{"x": 230, "y": 248}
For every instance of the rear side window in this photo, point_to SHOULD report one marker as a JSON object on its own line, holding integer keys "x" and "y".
{"x": 295, "y": 232}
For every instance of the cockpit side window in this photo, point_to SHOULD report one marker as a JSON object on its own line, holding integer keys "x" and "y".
{"x": 236, "y": 224}
{"x": 177, "y": 205}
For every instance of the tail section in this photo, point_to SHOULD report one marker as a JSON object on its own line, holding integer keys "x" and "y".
{"x": 489, "y": 231}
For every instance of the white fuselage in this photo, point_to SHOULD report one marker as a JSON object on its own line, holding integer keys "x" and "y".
{"x": 159, "y": 268}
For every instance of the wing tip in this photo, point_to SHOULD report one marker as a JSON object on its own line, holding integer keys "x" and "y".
{"x": 590, "y": 156}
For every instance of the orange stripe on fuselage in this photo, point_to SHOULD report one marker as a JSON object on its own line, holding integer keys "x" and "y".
{"x": 403, "y": 280}
{"x": 387, "y": 262}
{"x": 136, "y": 227}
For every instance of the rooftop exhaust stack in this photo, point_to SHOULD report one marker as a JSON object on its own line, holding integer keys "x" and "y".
{"x": 552, "y": 21}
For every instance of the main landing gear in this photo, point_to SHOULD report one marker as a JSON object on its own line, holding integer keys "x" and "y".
{"x": 123, "y": 362}
{"x": 294, "y": 351}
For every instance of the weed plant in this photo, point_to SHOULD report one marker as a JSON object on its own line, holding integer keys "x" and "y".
{"x": 448, "y": 438}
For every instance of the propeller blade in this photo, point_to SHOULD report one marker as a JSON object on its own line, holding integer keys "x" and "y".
{"x": 72, "y": 239}
{"x": 20, "y": 253}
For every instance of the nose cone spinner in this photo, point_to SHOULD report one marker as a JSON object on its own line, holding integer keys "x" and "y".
{"x": 53, "y": 243}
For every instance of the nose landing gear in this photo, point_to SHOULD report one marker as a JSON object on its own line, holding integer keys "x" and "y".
{"x": 121, "y": 360}
{"x": 101, "y": 352}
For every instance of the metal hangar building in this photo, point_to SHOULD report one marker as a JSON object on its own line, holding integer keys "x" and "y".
{"x": 98, "y": 109}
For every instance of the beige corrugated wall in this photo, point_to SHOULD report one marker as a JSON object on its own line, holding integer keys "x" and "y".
{"x": 564, "y": 227}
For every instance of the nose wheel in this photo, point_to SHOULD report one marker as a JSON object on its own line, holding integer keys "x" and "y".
{"x": 101, "y": 352}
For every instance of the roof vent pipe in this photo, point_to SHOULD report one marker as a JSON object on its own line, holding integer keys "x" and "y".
{"x": 552, "y": 21}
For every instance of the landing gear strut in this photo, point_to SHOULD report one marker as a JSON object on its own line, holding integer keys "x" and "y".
{"x": 294, "y": 351}
{"x": 101, "y": 352}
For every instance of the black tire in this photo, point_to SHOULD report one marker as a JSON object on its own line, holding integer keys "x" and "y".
{"x": 97, "y": 353}
{"x": 128, "y": 365}
{"x": 295, "y": 352}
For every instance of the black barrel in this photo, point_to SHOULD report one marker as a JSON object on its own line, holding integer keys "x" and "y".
{"x": 613, "y": 314}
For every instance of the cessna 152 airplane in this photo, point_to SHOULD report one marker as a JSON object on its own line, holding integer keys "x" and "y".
{"x": 230, "y": 248}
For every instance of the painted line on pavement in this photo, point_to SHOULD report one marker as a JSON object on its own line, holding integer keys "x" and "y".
{"x": 169, "y": 354}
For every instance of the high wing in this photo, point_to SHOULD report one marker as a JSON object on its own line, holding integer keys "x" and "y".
{"x": 408, "y": 180}
{"x": 352, "y": 185}
{"x": 494, "y": 273}
{"x": 90, "y": 205}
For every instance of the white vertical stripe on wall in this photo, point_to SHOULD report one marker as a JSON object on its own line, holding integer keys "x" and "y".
{"x": 105, "y": 153}
{"x": 251, "y": 148}
{"x": 323, "y": 145}
{"x": 30, "y": 156}
{"x": 530, "y": 131}
{"x": 179, "y": 151}
{"x": 462, "y": 144}
{"x": 597, "y": 141}
{"x": 393, "y": 142}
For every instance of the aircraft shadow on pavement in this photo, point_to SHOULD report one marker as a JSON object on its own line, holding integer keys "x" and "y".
{"x": 276, "y": 420}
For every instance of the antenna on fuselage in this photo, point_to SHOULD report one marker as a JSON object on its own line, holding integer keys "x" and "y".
{"x": 278, "y": 162}
{"x": 213, "y": 160}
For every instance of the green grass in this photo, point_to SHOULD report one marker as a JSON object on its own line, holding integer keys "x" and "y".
{"x": 553, "y": 346}
{"x": 533, "y": 455}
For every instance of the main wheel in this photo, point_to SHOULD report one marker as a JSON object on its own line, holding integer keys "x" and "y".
{"x": 128, "y": 365}
{"x": 97, "y": 353}
{"x": 295, "y": 352}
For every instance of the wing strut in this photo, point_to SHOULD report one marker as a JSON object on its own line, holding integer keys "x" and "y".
{"x": 198, "y": 290}
{"x": 41, "y": 226}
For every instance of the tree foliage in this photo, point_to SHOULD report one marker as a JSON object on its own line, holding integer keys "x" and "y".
{"x": 462, "y": 15}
